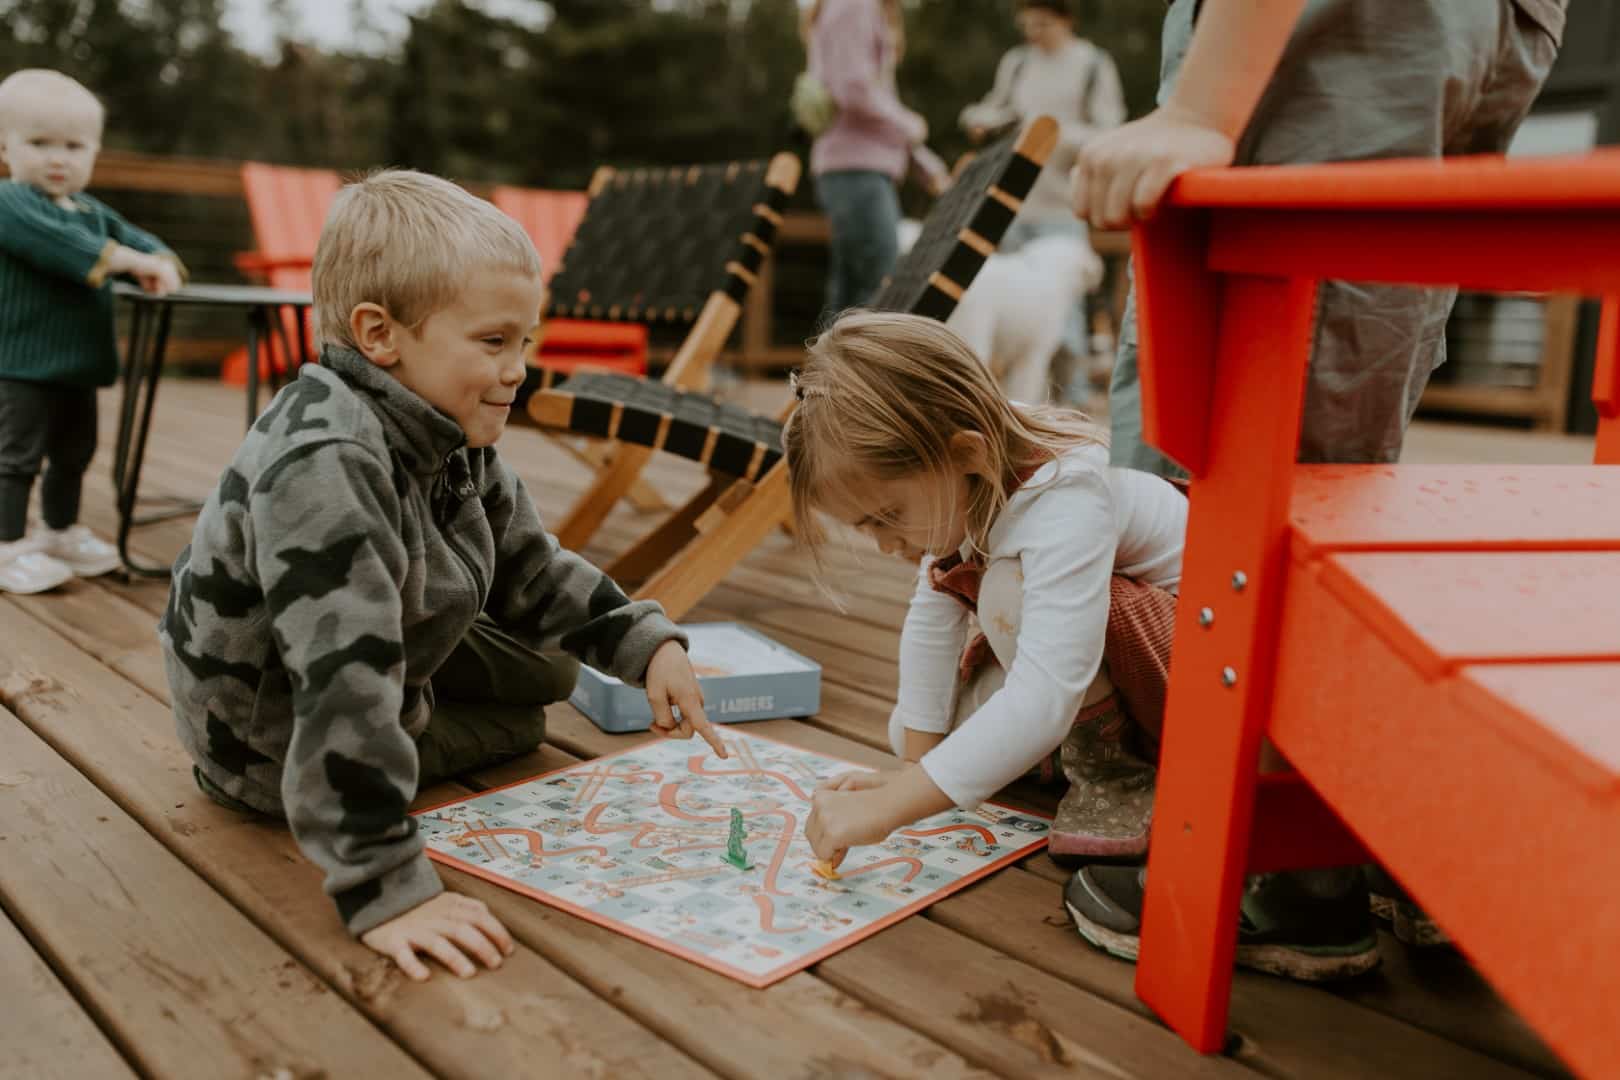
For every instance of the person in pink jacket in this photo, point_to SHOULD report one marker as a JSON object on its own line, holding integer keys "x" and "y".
{"x": 859, "y": 159}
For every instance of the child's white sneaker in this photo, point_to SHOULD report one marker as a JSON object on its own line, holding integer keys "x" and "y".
{"x": 82, "y": 551}
{"x": 25, "y": 568}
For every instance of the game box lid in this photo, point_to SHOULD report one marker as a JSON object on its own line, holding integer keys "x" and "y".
{"x": 744, "y": 674}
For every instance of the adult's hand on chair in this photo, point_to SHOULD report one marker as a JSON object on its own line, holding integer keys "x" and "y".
{"x": 672, "y": 682}
{"x": 1122, "y": 174}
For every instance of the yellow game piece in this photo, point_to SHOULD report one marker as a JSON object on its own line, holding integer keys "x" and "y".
{"x": 825, "y": 869}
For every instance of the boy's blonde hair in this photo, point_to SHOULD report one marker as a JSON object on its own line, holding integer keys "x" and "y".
{"x": 32, "y": 90}
{"x": 881, "y": 395}
{"x": 408, "y": 241}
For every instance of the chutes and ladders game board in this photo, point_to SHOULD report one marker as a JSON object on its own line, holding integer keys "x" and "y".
{"x": 644, "y": 842}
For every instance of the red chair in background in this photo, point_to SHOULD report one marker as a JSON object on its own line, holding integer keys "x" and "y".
{"x": 550, "y": 218}
{"x": 287, "y": 207}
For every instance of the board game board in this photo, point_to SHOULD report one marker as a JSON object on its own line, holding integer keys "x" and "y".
{"x": 636, "y": 841}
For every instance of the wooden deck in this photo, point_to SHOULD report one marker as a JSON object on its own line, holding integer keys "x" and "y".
{"x": 147, "y": 932}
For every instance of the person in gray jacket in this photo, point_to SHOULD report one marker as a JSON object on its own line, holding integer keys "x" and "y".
{"x": 369, "y": 602}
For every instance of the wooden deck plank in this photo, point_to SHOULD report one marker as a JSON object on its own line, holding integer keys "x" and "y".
{"x": 582, "y": 953}
{"x": 1070, "y": 1028}
{"x": 1453, "y": 1010}
{"x": 1282, "y": 1028}
{"x": 186, "y": 985}
{"x": 801, "y": 1024}
{"x": 132, "y": 754}
{"x": 1277, "y": 1012}
{"x": 826, "y": 1026}
{"x": 857, "y": 712}
{"x": 46, "y": 1034}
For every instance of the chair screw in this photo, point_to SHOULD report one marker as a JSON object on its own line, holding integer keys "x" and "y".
{"x": 1239, "y": 580}
{"x": 1228, "y": 676}
{"x": 1206, "y": 617}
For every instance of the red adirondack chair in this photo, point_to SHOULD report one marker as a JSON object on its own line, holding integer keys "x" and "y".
{"x": 550, "y": 218}
{"x": 288, "y": 207}
{"x": 1434, "y": 649}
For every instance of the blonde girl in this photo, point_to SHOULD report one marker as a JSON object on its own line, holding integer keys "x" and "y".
{"x": 1013, "y": 514}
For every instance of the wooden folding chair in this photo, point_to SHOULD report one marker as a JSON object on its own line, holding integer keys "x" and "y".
{"x": 747, "y": 493}
{"x": 551, "y": 218}
{"x": 675, "y": 246}
{"x": 1435, "y": 649}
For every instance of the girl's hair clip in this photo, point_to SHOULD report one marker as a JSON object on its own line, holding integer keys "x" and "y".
{"x": 798, "y": 385}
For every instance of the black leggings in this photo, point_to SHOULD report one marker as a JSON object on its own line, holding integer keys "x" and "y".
{"x": 50, "y": 424}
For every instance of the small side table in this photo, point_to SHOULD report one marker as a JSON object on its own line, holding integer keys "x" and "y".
{"x": 278, "y": 312}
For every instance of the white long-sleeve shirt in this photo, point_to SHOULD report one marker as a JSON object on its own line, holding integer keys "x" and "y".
{"x": 1078, "y": 86}
{"x": 1067, "y": 531}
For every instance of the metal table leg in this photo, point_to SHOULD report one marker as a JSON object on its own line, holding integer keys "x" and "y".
{"x": 144, "y": 368}
{"x": 255, "y": 335}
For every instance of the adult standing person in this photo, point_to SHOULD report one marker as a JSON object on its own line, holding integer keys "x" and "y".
{"x": 859, "y": 158}
{"x": 1058, "y": 74}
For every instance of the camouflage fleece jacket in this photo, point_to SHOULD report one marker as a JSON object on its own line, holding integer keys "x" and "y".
{"x": 347, "y": 549}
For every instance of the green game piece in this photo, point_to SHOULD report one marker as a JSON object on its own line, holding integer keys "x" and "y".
{"x": 736, "y": 854}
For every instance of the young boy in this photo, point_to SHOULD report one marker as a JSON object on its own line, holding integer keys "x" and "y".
{"x": 364, "y": 602}
{"x": 1266, "y": 82}
{"x": 58, "y": 247}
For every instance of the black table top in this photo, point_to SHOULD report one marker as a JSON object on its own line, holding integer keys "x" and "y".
{"x": 218, "y": 296}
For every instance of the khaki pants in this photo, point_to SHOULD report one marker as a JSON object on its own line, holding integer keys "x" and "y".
{"x": 1364, "y": 79}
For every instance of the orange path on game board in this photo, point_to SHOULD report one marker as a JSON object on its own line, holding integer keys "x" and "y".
{"x": 744, "y": 752}
{"x": 916, "y": 868}
{"x": 767, "y": 916}
{"x": 537, "y": 846}
{"x": 597, "y": 777}
{"x": 985, "y": 834}
{"x": 595, "y": 828}
{"x": 667, "y": 799}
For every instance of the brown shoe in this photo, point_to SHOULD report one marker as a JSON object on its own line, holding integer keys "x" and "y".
{"x": 1108, "y": 808}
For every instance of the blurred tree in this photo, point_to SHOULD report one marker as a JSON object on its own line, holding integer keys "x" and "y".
{"x": 540, "y": 101}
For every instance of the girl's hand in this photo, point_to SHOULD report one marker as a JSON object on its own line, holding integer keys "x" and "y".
{"x": 864, "y": 808}
{"x": 671, "y": 681}
{"x": 842, "y": 818}
{"x": 857, "y": 780}
{"x": 450, "y": 927}
{"x": 1122, "y": 174}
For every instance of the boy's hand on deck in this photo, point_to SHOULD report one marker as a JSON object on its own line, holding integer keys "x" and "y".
{"x": 448, "y": 928}
{"x": 671, "y": 681}
{"x": 1122, "y": 174}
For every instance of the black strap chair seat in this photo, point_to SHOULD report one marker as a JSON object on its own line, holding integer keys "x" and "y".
{"x": 726, "y": 438}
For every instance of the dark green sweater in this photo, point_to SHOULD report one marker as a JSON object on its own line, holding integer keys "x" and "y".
{"x": 56, "y": 307}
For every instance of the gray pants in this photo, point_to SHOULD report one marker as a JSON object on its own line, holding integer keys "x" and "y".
{"x": 1363, "y": 79}
{"x": 43, "y": 424}
{"x": 489, "y": 699}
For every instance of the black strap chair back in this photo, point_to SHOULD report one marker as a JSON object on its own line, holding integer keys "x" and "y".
{"x": 655, "y": 243}
{"x": 959, "y": 233}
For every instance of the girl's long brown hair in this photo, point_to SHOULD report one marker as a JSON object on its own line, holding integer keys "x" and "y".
{"x": 880, "y": 397}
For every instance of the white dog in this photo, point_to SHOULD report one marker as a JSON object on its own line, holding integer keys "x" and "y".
{"x": 1015, "y": 313}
